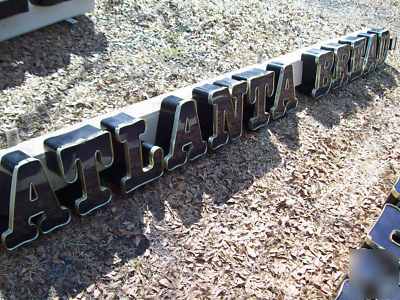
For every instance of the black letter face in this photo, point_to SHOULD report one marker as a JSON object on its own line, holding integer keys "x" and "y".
{"x": 284, "y": 96}
{"x": 81, "y": 154}
{"x": 46, "y": 2}
{"x": 260, "y": 86}
{"x": 342, "y": 53}
{"x": 220, "y": 114}
{"x": 179, "y": 132}
{"x": 10, "y": 8}
{"x": 348, "y": 292}
{"x": 128, "y": 166}
{"x": 317, "y": 72}
{"x": 385, "y": 234}
{"x": 33, "y": 206}
{"x": 375, "y": 273}
{"x": 370, "y": 52}
{"x": 383, "y": 44}
{"x": 358, "y": 45}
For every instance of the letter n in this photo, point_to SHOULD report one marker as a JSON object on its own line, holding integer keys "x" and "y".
{"x": 260, "y": 87}
{"x": 221, "y": 111}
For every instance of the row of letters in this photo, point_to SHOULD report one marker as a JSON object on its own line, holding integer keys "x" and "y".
{"x": 92, "y": 161}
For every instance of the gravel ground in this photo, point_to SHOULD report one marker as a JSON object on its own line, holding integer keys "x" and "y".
{"x": 271, "y": 217}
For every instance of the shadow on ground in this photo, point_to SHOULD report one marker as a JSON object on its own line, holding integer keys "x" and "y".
{"x": 67, "y": 262}
{"x": 356, "y": 96}
{"x": 340, "y": 103}
{"x": 42, "y": 53}
{"x": 45, "y": 51}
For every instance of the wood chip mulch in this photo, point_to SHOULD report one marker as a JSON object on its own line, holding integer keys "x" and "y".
{"x": 273, "y": 216}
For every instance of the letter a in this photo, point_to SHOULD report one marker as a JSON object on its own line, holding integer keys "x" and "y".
{"x": 179, "y": 132}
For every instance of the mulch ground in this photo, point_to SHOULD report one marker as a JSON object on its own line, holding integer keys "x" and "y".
{"x": 273, "y": 216}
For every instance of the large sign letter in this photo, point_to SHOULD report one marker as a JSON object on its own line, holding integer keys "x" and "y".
{"x": 370, "y": 52}
{"x": 32, "y": 205}
{"x": 284, "y": 96}
{"x": 340, "y": 72}
{"x": 317, "y": 72}
{"x": 130, "y": 153}
{"x": 348, "y": 292}
{"x": 358, "y": 45}
{"x": 383, "y": 44}
{"x": 179, "y": 132}
{"x": 260, "y": 86}
{"x": 78, "y": 157}
{"x": 385, "y": 234}
{"x": 220, "y": 108}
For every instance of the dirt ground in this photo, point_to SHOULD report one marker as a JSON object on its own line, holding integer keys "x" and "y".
{"x": 273, "y": 216}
